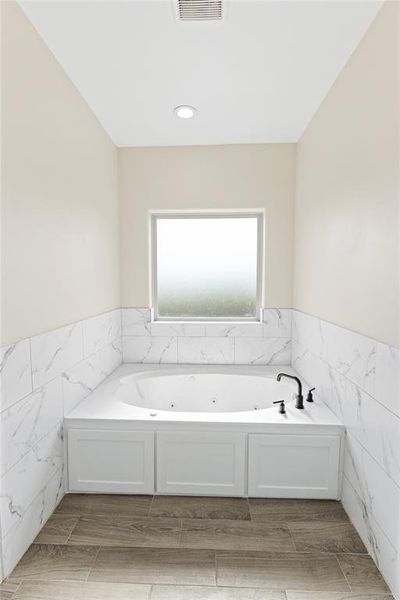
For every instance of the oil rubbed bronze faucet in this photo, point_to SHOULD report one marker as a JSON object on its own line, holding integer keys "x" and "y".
{"x": 299, "y": 395}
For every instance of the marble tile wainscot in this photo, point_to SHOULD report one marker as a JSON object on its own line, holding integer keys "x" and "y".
{"x": 266, "y": 343}
{"x": 359, "y": 379}
{"x": 42, "y": 379}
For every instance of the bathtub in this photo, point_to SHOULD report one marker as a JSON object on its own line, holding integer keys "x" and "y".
{"x": 201, "y": 391}
{"x": 203, "y": 430}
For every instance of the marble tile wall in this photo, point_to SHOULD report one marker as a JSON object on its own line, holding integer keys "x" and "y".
{"x": 266, "y": 343}
{"x": 42, "y": 379}
{"x": 359, "y": 379}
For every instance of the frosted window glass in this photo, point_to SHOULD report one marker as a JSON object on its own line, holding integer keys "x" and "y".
{"x": 206, "y": 267}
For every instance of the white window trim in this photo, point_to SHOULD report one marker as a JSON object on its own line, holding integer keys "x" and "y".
{"x": 156, "y": 215}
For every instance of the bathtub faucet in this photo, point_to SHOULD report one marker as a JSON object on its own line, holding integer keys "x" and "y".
{"x": 299, "y": 395}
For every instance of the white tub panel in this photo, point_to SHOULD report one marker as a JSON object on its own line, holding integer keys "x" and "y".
{"x": 294, "y": 466}
{"x": 201, "y": 463}
{"x": 111, "y": 461}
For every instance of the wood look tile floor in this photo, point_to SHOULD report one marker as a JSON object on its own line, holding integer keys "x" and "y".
{"x": 100, "y": 547}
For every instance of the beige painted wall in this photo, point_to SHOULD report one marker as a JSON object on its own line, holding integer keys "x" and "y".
{"x": 204, "y": 177}
{"x": 60, "y": 258}
{"x": 59, "y": 193}
{"x": 347, "y": 202}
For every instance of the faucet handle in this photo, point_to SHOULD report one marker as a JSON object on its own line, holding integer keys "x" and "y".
{"x": 310, "y": 395}
{"x": 281, "y": 403}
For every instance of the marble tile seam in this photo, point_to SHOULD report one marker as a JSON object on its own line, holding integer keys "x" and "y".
{"x": 332, "y": 368}
{"x": 60, "y": 472}
{"x": 372, "y": 339}
{"x": 60, "y": 375}
{"x": 69, "y": 324}
{"x": 31, "y": 449}
{"x": 395, "y": 550}
{"x": 374, "y": 459}
{"x": 57, "y": 427}
{"x": 291, "y": 310}
{"x": 34, "y": 391}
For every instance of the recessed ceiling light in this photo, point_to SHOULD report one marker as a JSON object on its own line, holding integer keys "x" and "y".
{"x": 185, "y": 112}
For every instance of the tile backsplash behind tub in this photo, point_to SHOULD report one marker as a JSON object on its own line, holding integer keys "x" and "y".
{"x": 266, "y": 343}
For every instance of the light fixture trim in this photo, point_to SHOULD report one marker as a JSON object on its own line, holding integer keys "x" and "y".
{"x": 185, "y": 111}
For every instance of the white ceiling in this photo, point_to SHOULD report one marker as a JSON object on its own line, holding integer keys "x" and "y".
{"x": 257, "y": 76}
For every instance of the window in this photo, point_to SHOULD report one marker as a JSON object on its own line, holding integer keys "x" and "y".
{"x": 207, "y": 266}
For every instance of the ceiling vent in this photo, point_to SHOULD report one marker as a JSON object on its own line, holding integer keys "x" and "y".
{"x": 200, "y": 10}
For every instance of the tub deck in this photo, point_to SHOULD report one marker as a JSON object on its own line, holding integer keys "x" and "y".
{"x": 102, "y": 408}
{"x": 116, "y": 447}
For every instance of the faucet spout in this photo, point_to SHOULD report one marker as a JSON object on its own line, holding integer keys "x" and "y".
{"x": 299, "y": 395}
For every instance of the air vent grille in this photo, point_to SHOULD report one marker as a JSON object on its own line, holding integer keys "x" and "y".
{"x": 200, "y": 10}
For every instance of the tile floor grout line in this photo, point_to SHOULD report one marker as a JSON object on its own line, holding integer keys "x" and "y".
{"x": 272, "y": 552}
{"x": 343, "y": 573}
{"x": 248, "y": 508}
{"x": 291, "y": 537}
{"x": 16, "y": 590}
{"x": 93, "y": 563}
{"x": 110, "y": 583}
{"x": 227, "y": 586}
{"x": 181, "y": 523}
{"x": 380, "y": 595}
{"x": 180, "y": 535}
{"x": 151, "y": 506}
{"x": 216, "y": 568}
{"x": 72, "y": 531}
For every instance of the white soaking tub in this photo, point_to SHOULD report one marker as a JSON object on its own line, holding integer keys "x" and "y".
{"x": 202, "y": 430}
{"x": 201, "y": 391}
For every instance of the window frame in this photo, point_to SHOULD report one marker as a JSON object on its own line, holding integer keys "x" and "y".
{"x": 158, "y": 215}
